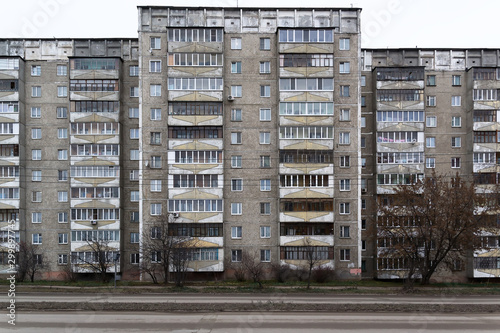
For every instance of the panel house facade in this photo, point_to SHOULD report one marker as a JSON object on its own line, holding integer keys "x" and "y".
{"x": 266, "y": 133}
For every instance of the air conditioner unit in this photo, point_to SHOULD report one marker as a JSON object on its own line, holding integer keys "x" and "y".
{"x": 230, "y": 98}
{"x": 364, "y": 190}
{"x": 175, "y": 215}
{"x": 94, "y": 222}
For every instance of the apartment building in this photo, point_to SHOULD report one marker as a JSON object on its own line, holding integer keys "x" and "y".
{"x": 262, "y": 133}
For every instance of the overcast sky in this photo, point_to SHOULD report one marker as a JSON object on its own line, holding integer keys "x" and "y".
{"x": 385, "y": 23}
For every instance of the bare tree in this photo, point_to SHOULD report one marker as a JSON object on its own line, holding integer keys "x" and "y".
{"x": 30, "y": 261}
{"x": 313, "y": 258}
{"x": 254, "y": 266}
{"x": 156, "y": 253}
{"x": 429, "y": 222}
{"x": 98, "y": 257}
{"x": 164, "y": 252}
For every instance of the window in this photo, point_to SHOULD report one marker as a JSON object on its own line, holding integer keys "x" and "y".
{"x": 235, "y": 114}
{"x": 134, "y": 196}
{"x": 155, "y": 43}
{"x": 62, "y": 70}
{"x": 344, "y": 91}
{"x": 431, "y": 121}
{"x": 363, "y": 224}
{"x": 134, "y": 237}
{"x": 265, "y": 208}
{"x": 36, "y": 91}
{"x": 62, "y": 196}
{"x": 155, "y": 209}
{"x": 133, "y": 112}
{"x": 62, "y": 133}
{"x": 363, "y": 203}
{"x": 344, "y": 208}
{"x": 62, "y": 238}
{"x": 265, "y": 255}
{"x": 345, "y": 115}
{"x": 265, "y": 232}
{"x": 62, "y": 175}
{"x": 236, "y": 255}
{"x": 236, "y": 161}
{"x": 236, "y": 67}
{"x": 456, "y": 142}
{"x": 265, "y": 115}
{"x": 363, "y": 245}
{"x": 345, "y": 231}
{"x": 36, "y": 133}
{"x": 235, "y": 232}
{"x": 155, "y": 162}
{"x": 344, "y": 67}
{"x": 431, "y": 100}
{"x": 345, "y": 255}
{"x": 456, "y": 100}
{"x": 265, "y": 161}
{"x": 36, "y": 154}
{"x": 363, "y": 121}
{"x": 363, "y": 142}
{"x": 36, "y": 217}
{"x": 236, "y": 43}
{"x": 363, "y": 101}
{"x": 237, "y": 184}
{"x": 62, "y": 259}
{"x": 62, "y": 112}
{"x": 456, "y": 80}
{"x": 265, "y": 184}
{"x": 265, "y": 67}
{"x": 430, "y": 162}
{"x": 133, "y": 70}
{"x": 134, "y": 174}
{"x": 344, "y": 138}
{"x": 155, "y": 185}
{"x": 134, "y": 154}
{"x": 236, "y": 91}
{"x": 265, "y": 91}
{"x": 363, "y": 161}
{"x": 62, "y": 154}
{"x": 155, "y": 90}
{"x": 430, "y": 142}
{"x": 455, "y": 162}
{"x": 36, "y": 70}
{"x": 345, "y": 161}
{"x": 62, "y": 91}
{"x": 156, "y": 256}
{"x": 431, "y": 80}
{"x": 236, "y": 138}
{"x": 36, "y": 196}
{"x": 134, "y": 133}
{"x": 134, "y": 216}
{"x": 345, "y": 184}
{"x": 134, "y": 91}
{"x": 265, "y": 44}
{"x": 363, "y": 80}
{"x": 236, "y": 208}
{"x": 36, "y": 238}
{"x": 155, "y": 114}
{"x": 36, "y": 175}
{"x": 456, "y": 121}
{"x": 265, "y": 138}
{"x": 344, "y": 44}
{"x": 155, "y": 66}
{"x": 134, "y": 258}
{"x": 36, "y": 112}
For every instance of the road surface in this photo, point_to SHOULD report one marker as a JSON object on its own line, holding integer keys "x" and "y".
{"x": 249, "y": 298}
{"x": 241, "y": 322}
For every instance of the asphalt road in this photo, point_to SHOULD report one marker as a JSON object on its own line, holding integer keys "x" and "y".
{"x": 241, "y": 322}
{"x": 249, "y": 298}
